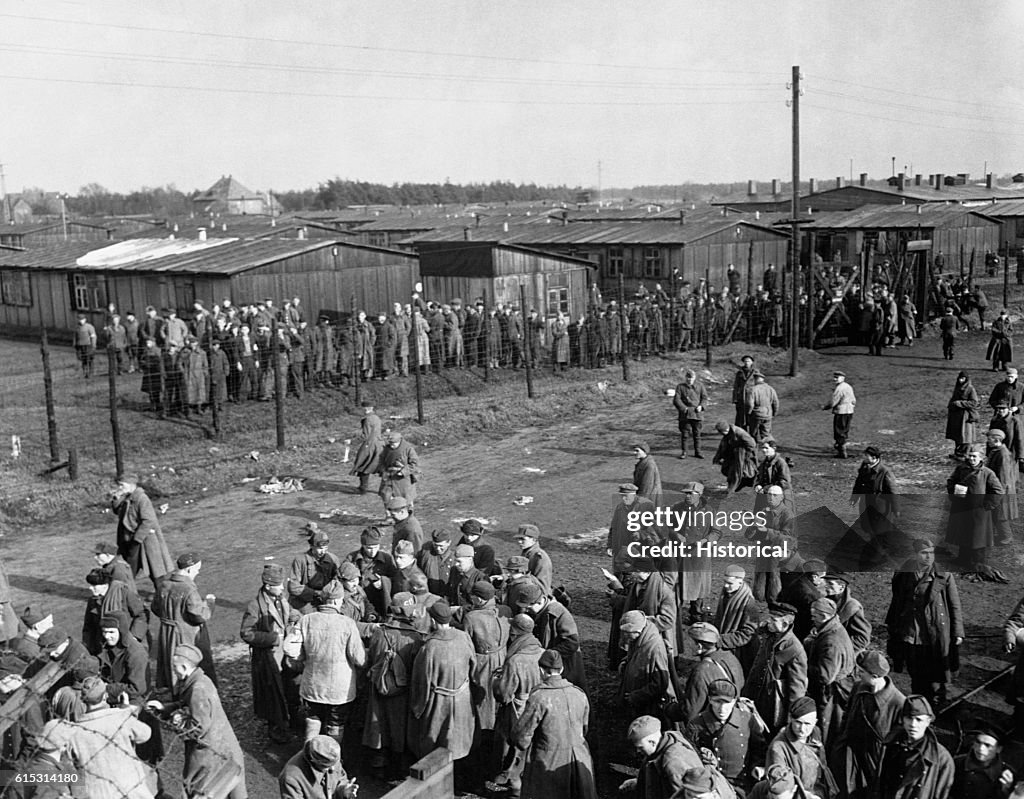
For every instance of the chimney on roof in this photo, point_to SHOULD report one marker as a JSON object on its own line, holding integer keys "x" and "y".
{"x": 682, "y": 216}
{"x": 776, "y": 186}
{"x": 901, "y": 181}
{"x": 962, "y": 178}
{"x": 302, "y": 234}
{"x": 565, "y": 220}
{"x": 273, "y": 221}
{"x": 201, "y": 234}
{"x": 224, "y": 227}
{"x": 467, "y": 234}
{"x": 751, "y": 188}
{"x": 812, "y": 186}
{"x": 863, "y": 178}
{"x": 839, "y": 183}
{"x": 175, "y": 227}
{"x": 504, "y": 227}
{"x": 939, "y": 180}
{"x": 988, "y": 181}
{"x": 757, "y": 214}
{"x": 917, "y": 180}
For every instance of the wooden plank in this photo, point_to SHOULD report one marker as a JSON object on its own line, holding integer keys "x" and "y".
{"x": 38, "y": 685}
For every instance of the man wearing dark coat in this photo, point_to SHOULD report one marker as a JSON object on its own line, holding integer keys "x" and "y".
{"x": 831, "y": 661}
{"x": 981, "y": 772}
{"x": 803, "y": 592}
{"x": 1009, "y": 390}
{"x": 376, "y": 567}
{"x": 1002, "y": 463}
{"x": 690, "y": 399}
{"x": 742, "y": 386}
{"x": 874, "y": 711}
{"x": 264, "y": 627}
{"x": 728, "y": 729}
{"x": 124, "y": 662}
{"x": 798, "y": 747}
{"x": 874, "y": 490}
{"x": 975, "y": 497}
{"x": 1012, "y": 425}
{"x": 737, "y": 455}
{"x": 111, "y": 598}
{"x": 778, "y": 530}
{"x": 714, "y": 664}
{"x": 538, "y": 562}
{"x": 483, "y": 554}
{"x": 650, "y": 593}
{"x": 463, "y": 577}
{"x": 183, "y": 614}
{"x": 555, "y": 628}
{"x": 667, "y": 757}
{"x": 925, "y": 623}
{"x": 646, "y": 476}
{"x": 512, "y": 686}
{"x": 1000, "y": 346}
{"x": 962, "y": 414}
{"x": 552, "y": 731}
{"x": 213, "y": 759}
{"x": 315, "y": 771}
{"x": 311, "y": 571}
{"x": 367, "y": 459}
{"x": 737, "y": 617}
{"x": 487, "y": 626}
{"x": 399, "y": 469}
{"x": 778, "y": 676}
{"x": 407, "y": 527}
{"x": 139, "y": 538}
{"x": 914, "y": 764}
{"x": 646, "y": 678}
{"x": 435, "y": 560}
{"x": 632, "y": 505}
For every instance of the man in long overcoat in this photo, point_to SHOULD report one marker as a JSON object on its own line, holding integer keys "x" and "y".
{"x": 264, "y": 627}
{"x": 311, "y": 571}
{"x": 367, "y": 459}
{"x": 693, "y": 588}
{"x": 737, "y": 455}
{"x": 914, "y": 764}
{"x": 552, "y": 731}
{"x": 778, "y": 676}
{"x": 214, "y": 764}
{"x": 714, "y": 664}
{"x": 873, "y": 713}
{"x": 440, "y": 698}
{"x": 737, "y": 616}
{"x": 690, "y": 399}
{"x": 831, "y": 662}
{"x": 975, "y": 497}
{"x": 139, "y": 538}
{"x": 324, "y": 354}
{"x": 646, "y": 476}
{"x": 925, "y": 623}
{"x": 399, "y": 469}
{"x": 874, "y": 490}
{"x": 1002, "y": 463}
{"x": 365, "y": 341}
{"x": 778, "y": 530}
{"x": 646, "y": 678}
{"x": 512, "y": 686}
{"x": 555, "y": 628}
{"x": 183, "y": 614}
{"x": 742, "y": 386}
{"x": 487, "y": 626}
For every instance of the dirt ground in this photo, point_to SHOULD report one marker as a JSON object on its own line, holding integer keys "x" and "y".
{"x": 571, "y": 469}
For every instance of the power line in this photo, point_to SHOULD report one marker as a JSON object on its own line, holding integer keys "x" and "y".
{"x": 318, "y": 70}
{"x": 915, "y": 124}
{"x": 912, "y": 108}
{"x": 339, "y": 96}
{"x": 368, "y": 48}
{"x": 916, "y": 95}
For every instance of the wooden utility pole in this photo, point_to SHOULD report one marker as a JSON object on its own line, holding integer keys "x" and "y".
{"x": 794, "y": 232}
{"x": 115, "y": 427}
{"x": 51, "y": 414}
{"x": 527, "y": 355}
{"x": 622, "y": 329}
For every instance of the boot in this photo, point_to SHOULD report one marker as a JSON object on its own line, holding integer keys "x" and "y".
{"x": 312, "y": 727}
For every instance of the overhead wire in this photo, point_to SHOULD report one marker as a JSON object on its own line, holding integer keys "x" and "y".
{"x": 915, "y": 95}
{"x": 891, "y": 121}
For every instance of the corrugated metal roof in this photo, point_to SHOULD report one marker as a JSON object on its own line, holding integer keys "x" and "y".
{"x": 40, "y": 226}
{"x": 1002, "y": 209}
{"x": 236, "y": 227}
{"x": 976, "y": 192}
{"x": 892, "y": 216}
{"x": 58, "y": 256}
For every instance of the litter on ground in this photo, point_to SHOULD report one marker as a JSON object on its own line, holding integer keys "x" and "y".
{"x": 524, "y": 500}
{"x": 534, "y": 470}
{"x": 335, "y": 512}
{"x": 276, "y": 486}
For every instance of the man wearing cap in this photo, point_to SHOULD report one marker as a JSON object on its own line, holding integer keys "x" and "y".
{"x": 667, "y": 756}
{"x": 646, "y": 671}
{"x": 316, "y": 770}
{"x": 399, "y": 470}
{"x": 324, "y": 354}
{"x": 265, "y": 624}
{"x": 772, "y": 471}
{"x": 516, "y": 579}
{"x": 331, "y": 651}
{"x": 183, "y": 614}
{"x": 111, "y": 598}
{"x": 981, "y": 772}
{"x": 651, "y": 595}
{"x": 778, "y": 530}
{"x": 405, "y": 566}
{"x": 424, "y": 599}
{"x": 390, "y": 657}
{"x": 737, "y": 455}
{"x": 463, "y": 577}
{"x": 778, "y": 676}
{"x": 737, "y": 616}
{"x": 693, "y": 586}
{"x": 742, "y": 386}
{"x": 376, "y": 567}
{"x": 874, "y": 490}
{"x": 355, "y": 603}
{"x": 37, "y": 621}
{"x": 690, "y": 399}
{"x": 440, "y": 697}
{"x": 831, "y": 661}
{"x": 537, "y": 561}
{"x": 556, "y": 629}
{"x": 714, "y": 664}
{"x": 849, "y": 610}
{"x": 873, "y": 713}
{"x": 84, "y": 336}
{"x": 728, "y": 727}
{"x": 487, "y": 625}
{"x": 483, "y": 554}
{"x": 975, "y": 497}
{"x": 925, "y": 622}
{"x": 1002, "y": 463}
{"x": 45, "y": 765}
{"x": 552, "y": 731}
{"x": 798, "y": 747}
{"x": 778, "y": 782}
{"x": 124, "y": 662}
{"x": 311, "y": 571}
{"x": 802, "y": 592}
{"x": 213, "y": 759}
{"x": 367, "y": 459}
{"x": 102, "y": 746}
{"x": 631, "y": 506}
{"x": 435, "y": 560}
{"x": 762, "y": 407}
{"x": 842, "y": 405}
{"x": 106, "y": 557}
{"x": 139, "y": 538}
{"x": 914, "y": 764}
{"x": 646, "y": 476}
{"x": 1012, "y": 425}
{"x": 512, "y": 686}
{"x": 407, "y": 527}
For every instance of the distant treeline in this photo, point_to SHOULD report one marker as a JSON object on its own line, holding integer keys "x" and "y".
{"x": 338, "y": 193}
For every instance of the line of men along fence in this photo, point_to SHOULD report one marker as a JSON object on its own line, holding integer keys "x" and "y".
{"x": 228, "y": 353}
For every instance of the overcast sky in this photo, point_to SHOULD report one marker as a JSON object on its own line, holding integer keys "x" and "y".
{"x": 285, "y": 95}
